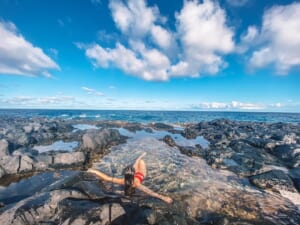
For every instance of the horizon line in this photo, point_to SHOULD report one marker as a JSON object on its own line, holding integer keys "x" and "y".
{"x": 154, "y": 110}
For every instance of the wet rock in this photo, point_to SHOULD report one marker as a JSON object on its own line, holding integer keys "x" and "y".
{"x": 289, "y": 154}
{"x": 169, "y": 141}
{"x": 161, "y": 126}
{"x": 3, "y": 148}
{"x": 98, "y": 141}
{"x": 275, "y": 180}
{"x": 256, "y": 142}
{"x": 133, "y": 127}
{"x": 295, "y": 175}
{"x": 191, "y": 151}
{"x": 189, "y": 133}
{"x": 76, "y": 201}
{"x": 240, "y": 157}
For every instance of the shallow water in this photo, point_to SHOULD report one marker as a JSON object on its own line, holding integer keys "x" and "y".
{"x": 57, "y": 146}
{"x": 178, "y": 138}
{"x": 24, "y": 188}
{"x": 84, "y": 127}
{"x": 194, "y": 185}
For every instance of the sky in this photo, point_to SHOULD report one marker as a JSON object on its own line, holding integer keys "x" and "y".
{"x": 227, "y": 55}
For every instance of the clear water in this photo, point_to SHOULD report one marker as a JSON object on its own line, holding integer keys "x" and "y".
{"x": 84, "y": 127}
{"x": 154, "y": 116}
{"x": 194, "y": 185}
{"x": 178, "y": 138}
{"x": 57, "y": 146}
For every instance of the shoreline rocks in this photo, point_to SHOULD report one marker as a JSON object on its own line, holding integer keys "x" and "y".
{"x": 266, "y": 155}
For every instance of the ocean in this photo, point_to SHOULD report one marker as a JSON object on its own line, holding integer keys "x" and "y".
{"x": 154, "y": 116}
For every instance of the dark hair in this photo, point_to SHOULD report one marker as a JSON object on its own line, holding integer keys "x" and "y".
{"x": 129, "y": 172}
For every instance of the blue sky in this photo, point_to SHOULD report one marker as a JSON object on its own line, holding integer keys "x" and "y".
{"x": 228, "y": 55}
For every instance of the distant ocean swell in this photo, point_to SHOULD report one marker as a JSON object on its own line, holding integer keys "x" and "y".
{"x": 154, "y": 116}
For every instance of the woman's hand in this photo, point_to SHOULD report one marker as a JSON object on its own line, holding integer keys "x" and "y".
{"x": 90, "y": 170}
{"x": 167, "y": 199}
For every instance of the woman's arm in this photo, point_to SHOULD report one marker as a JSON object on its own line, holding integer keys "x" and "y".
{"x": 104, "y": 177}
{"x": 154, "y": 194}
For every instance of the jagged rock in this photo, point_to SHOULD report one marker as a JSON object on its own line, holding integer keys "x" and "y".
{"x": 289, "y": 154}
{"x": 3, "y": 148}
{"x": 295, "y": 175}
{"x": 241, "y": 158}
{"x": 2, "y": 171}
{"x": 189, "y": 133}
{"x": 99, "y": 141}
{"x": 191, "y": 151}
{"x": 28, "y": 129}
{"x": 161, "y": 126}
{"x": 275, "y": 180}
{"x": 10, "y": 164}
{"x": 25, "y": 162}
{"x": 169, "y": 141}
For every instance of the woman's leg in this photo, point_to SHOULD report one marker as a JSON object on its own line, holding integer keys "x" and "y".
{"x": 140, "y": 165}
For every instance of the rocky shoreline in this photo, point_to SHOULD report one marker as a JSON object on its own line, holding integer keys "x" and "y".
{"x": 261, "y": 158}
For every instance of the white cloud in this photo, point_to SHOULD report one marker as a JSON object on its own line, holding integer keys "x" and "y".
{"x": 247, "y": 40}
{"x": 20, "y": 57}
{"x": 280, "y": 38}
{"x": 204, "y": 36}
{"x": 151, "y": 49}
{"x": 162, "y": 37}
{"x": 231, "y": 105}
{"x": 133, "y": 18}
{"x": 92, "y": 91}
{"x": 150, "y": 65}
{"x": 59, "y": 100}
{"x": 277, "y": 105}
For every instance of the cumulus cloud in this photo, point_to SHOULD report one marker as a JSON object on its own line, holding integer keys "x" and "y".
{"x": 20, "y": 57}
{"x": 154, "y": 52}
{"x": 279, "y": 39}
{"x": 247, "y": 40}
{"x": 204, "y": 36}
{"x": 134, "y": 17}
{"x": 92, "y": 91}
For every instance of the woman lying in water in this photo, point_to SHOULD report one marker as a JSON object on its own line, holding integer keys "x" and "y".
{"x": 133, "y": 178}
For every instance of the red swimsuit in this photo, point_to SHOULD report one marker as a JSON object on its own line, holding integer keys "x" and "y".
{"x": 139, "y": 176}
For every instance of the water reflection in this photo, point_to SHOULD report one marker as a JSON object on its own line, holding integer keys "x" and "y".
{"x": 178, "y": 138}
{"x": 29, "y": 186}
{"x": 57, "y": 146}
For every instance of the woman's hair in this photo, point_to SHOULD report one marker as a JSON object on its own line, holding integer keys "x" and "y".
{"x": 129, "y": 172}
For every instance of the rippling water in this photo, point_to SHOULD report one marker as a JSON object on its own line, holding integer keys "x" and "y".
{"x": 154, "y": 116}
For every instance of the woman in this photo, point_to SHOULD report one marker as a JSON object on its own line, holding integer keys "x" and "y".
{"x": 133, "y": 178}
